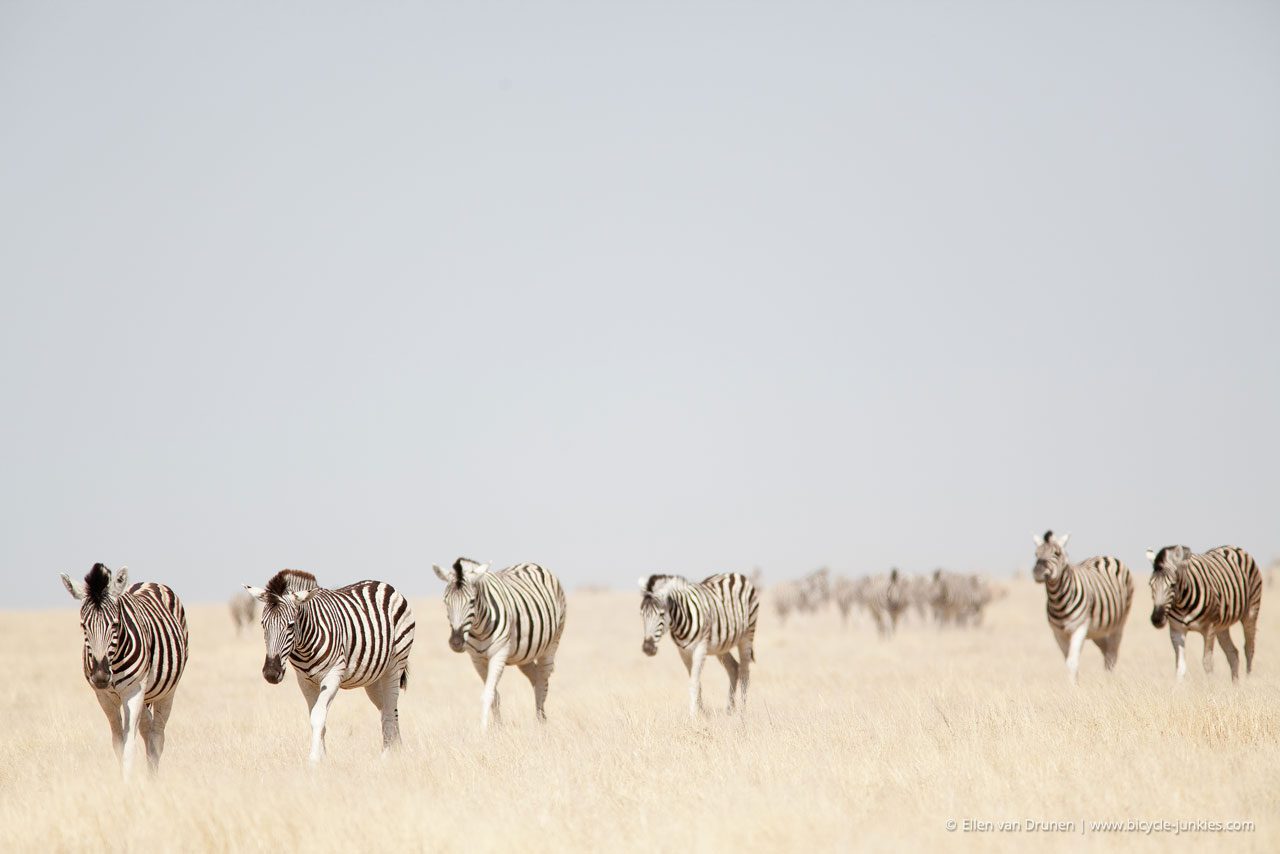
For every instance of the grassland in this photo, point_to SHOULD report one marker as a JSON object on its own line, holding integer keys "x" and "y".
{"x": 847, "y": 743}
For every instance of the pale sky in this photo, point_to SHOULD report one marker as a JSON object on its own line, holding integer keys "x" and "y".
{"x": 622, "y": 288}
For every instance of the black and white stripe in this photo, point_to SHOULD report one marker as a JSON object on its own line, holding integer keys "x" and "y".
{"x": 513, "y": 616}
{"x": 135, "y": 649}
{"x": 358, "y": 636}
{"x": 1206, "y": 593}
{"x": 885, "y": 598}
{"x": 1089, "y": 600}
{"x": 713, "y": 617}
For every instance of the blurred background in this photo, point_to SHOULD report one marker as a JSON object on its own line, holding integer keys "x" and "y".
{"x": 685, "y": 288}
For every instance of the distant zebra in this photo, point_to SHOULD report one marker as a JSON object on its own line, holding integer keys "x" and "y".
{"x": 885, "y": 598}
{"x": 358, "y": 636}
{"x": 713, "y": 617}
{"x": 847, "y": 593}
{"x": 244, "y": 610}
{"x": 1089, "y": 600}
{"x": 513, "y": 616}
{"x": 802, "y": 595}
{"x": 135, "y": 649}
{"x": 1206, "y": 593}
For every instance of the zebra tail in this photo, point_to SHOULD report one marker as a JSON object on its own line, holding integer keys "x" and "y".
{"x": 404, "y": 678}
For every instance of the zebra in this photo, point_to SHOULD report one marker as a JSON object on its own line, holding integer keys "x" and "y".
{"x": 847, "y": 594}
{"x": 885, "y": 597}
{"x": 135, "y": 649}
{"x": 714, "y": 617}
{"x": 244, "y": 610}
{"x": 1089, "y": 600}
{"x": 1206, "y": 593}
{"x": 802, "y": 595}
{"x": 358, "y": 636}
{"x": 512, "y": 616}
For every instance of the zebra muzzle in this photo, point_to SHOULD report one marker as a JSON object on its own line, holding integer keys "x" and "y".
{"x": 457, "y": 641}
{"x": 273, "y": 670}
{"x": 1157, "y": 618}
{"x": 649, "y": 647}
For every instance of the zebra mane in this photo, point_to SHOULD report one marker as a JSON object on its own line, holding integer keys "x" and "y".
{"x": 1163, "y": 559}
{"x": 97, "y": 584}
{"x": 461, "y": 565}
{"x": 291, "y": 581}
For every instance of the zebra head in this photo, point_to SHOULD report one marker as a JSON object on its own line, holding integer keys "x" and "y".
{"x": 99, "y": 618}
{"x": 653, "y": 610}
{"x": 1165, "y": 567}
{"x": 1051, "y": 557}
{"x": 461, "y": 587}
{"x": 282, "y": 600}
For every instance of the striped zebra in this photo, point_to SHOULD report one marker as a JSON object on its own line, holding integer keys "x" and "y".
{"x": 1089, "y": 600}
{"x": 1206, "y": 593}
{"x": 244, "y": 610}
{"x": 358, "y": 636}
{"x": 885, "y": 598}
{"x": 512, "y": 616}
{"x": 802, "y": 595}
{"x": 847, "y": 593}
{"x": 135, "y": 649}
{"x": 713, "y": 617}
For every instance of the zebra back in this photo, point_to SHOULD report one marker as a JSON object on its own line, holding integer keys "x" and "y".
{"x": 1098, "y": 590}
{"x": 523, "y": 605}
{"x": 153, "y": 641}
{"x": 368, "y": 625}
{"x": 1218, "y": 588}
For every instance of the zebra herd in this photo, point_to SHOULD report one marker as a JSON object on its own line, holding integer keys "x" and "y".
{"x": 1206, "y": 593}
{"x": 948, "y": 598}
{"x": 361, "y": 635}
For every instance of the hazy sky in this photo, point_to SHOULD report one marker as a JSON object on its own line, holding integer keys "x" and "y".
{"x": 623, "y": 287}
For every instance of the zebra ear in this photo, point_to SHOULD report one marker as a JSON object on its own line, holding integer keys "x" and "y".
{"x": 257, "y": 593}
{"x": 1062, "y": 541}
{"x": 121, "y": 582}
{"x": 75, "y": 588}
{"x": 1151, "y": 555}
{"x": 301, "y": 596}
{"x": 1038, "y": 540}
{"x": 644, "y": 582}
{"x": 440, "y": 573}
{"x": 482, "y": 569}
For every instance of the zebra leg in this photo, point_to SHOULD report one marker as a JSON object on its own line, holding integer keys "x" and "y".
{"x": 745, "y": 654}
{"x": 1064, "y": 642}
{"x": 1073, "y": 653}
{"x": 132, "y": 712}
{"x": 1111, "y": 649}
{"x": 1179, "y": 641}
{"x": 1208, "y": 652}
{"x": 144, "y": 732}
{"x": 694, "y": 663}
{"x": 1229, "y": 647}
{"x": 329, "y": 686}
{"x": 159, "y": 719}
{"x": 1250, "y": 631}
{"x": 112, "y": 709}
{"x": 489, "y": 699}
{"x": 385, "y": 695}
{"x": 731, "y": 667}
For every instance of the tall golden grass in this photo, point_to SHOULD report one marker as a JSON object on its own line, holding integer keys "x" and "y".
{"x": 848, "y": 742}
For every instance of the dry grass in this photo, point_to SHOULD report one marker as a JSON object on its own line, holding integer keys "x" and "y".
{"x": 861, "y": 745}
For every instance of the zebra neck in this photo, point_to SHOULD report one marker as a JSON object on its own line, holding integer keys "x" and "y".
{"x": 488, "y": 589}
{"x": 681, "y": 615}
{"x": 308, "y": 630}
{"x": 1066, "y": 580}
{"x": 128, "y": 635}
